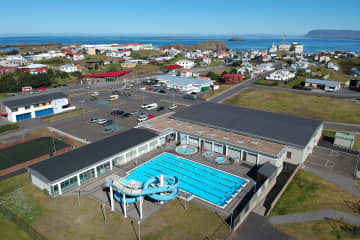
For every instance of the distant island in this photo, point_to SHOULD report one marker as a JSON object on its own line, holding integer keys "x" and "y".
{"x": 334, "y": 34}
{"x": 204, "y": 46}
{"x": 236, "y": 39}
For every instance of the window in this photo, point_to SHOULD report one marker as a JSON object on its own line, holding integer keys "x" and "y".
{"x": 288, "y": 155}
{"x": 14, "y": 109}
{"x": 27, "y": 107}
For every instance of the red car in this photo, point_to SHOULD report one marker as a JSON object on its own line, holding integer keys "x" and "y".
{"x": 41, "y": 88}
{"x": 150, "y": 116}
{"x": 150, "y": 89}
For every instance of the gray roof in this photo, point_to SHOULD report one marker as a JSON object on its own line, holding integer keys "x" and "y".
{"x": 323, "y": 82}
{"x": 182, "y": 81}
{"x": 275, "y": 127}
{"x": 26, "y": 101}
{"x": 267, "y": 169}
{"x": 75, "y": 160}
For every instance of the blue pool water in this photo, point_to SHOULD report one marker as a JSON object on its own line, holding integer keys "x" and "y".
{"x": 220, "y": 159}
{"x": 204, "y": 182}
{"x": 186, "y": 149}
{"x": 104, "y": 102}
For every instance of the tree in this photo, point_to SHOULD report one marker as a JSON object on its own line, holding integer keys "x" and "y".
{"x": 96, "y": 66}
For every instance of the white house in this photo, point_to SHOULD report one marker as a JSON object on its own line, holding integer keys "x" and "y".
{"x": 118, "y": 54}
{"x": 185, "y": 63}
{"x": 183, "y": 83}
{"x": 206, "y": 60}
{"x": 281, "y": 75}
{"x": 68, "y": 68}
{"x": 265, "y": 67}
{"x": 333, "y": 66}
{"x": 76, "y": 56}
{"x": 36, "y": 106}
{"x": 328, "y": 86}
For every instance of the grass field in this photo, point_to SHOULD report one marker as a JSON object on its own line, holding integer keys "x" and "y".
{"x": 9, "y": 127}
{"x": 316, "y": 107}
{"x": 308, "y": 192}
{"x": 333, "y": 75}
{"x": 211, "y": 93}
{"x": 61, "y": 218}
{"x": 321, "y": 230}
{"x": 9, "y": 230}
{"x": 290, "y": 84}
{"x": 47, "y": 131}
{"x": 29, "y": 150}
{"x": 62, "y": 115}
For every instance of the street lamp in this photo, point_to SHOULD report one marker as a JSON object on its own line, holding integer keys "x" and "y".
{"x": 139, "y": 223}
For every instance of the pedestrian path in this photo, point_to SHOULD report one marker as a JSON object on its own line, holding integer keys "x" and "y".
{"x": 314, "y": 216}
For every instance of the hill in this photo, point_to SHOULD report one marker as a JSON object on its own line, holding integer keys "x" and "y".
{"x": 207, "y": 45}
{"x": 334, "y": 34}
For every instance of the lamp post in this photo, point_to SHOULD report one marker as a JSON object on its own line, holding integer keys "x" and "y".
{"x": 139, "y": 223}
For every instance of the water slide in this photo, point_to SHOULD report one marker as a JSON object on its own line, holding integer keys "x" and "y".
{"x": 161, "y": 188}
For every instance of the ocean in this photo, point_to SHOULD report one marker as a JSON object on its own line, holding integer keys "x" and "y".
{"x": 251, "y": 42}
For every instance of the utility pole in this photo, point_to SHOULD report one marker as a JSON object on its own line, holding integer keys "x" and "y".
{"x": 139, "y": 223}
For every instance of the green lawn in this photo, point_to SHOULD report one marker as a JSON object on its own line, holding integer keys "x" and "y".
{"x": 62, "y": 115}
{"x": 61, "y": 218}
{"x": 290, "y": 84}
{"x": 9, "y": 127}
{"x": 29, "y": 150}
{"x": 309, "y": 192}
{"x": 316, "y": 107}
{"x": 47, "y": 131}
{"x": 9, "y": 230}
{"x": 321, "y": 230}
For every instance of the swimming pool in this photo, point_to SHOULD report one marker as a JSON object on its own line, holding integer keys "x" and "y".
{"x": 204, "y": 182}
{"x": 220, "y": 159}
{"x": 186, "y": 149}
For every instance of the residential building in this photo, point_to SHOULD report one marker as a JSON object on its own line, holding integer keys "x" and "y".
{"x": 283, "y": 75}
{"x": 68, "y": 68}
{"x": 185, "y": 63}
{"x": 329, "y": 86}
{"x": 75, "y": 56}
{"x": 36, "y": 106}
{"x": 232, "y": 78}
{"x": 35, "y": 68}
{"x": 344, "y": 140}
{"x": 186, "y": 73}
{"x": 332, "y": 66}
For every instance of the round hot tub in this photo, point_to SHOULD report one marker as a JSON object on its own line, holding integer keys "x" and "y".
{"x": 186, "y": 149}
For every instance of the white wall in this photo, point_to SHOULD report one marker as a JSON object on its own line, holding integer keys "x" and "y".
{"x": 39, "y": 183}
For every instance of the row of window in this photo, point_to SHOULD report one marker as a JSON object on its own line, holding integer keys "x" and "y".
{"x": 28, "y": 107}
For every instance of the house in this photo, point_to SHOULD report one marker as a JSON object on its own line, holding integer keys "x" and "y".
{"x": 108, "y": 77}
{"x": 329, "y": 86}
{"x": 68, "y": 68}
{"x": 173, "y": 67}
{"x": 300, "y": 65}
{"x": 13, "y": 61}
{"x": 118, "y": 54}
{"x": 246, "y": 67}
{"x": 332, "y": 66}
{"x": 36, "y": 106}
{"x": 34, "y": 68}
{"x": 283, "y": 75}
{"x": 232, "y": 78}
{"x": 185, "y": 63}
{"x": 264, "y": 67}
{"x": 184, "y": 84}
{"x": 91, "y": 51}
{"x": 185, "y": 73}
{"x": 6, "y": 70}
{"x": 93, "y": 64}
{"x": 128, "y": 64}
{"x": 344, "y": 140}
{"x": 75, "y": 56}
{"x": 206, "y": 60}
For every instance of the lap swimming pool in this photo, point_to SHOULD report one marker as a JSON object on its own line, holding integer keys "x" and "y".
{"x": 207, "y": 183}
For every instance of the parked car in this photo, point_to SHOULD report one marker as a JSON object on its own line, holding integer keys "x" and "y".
{"x": 108, "y": 130}
{"x": 101, "y": 121}
{"x": 160, "y": 108}
{"x": 156, "y": 90}
{"x": 150, "y": 116}
{"x": 142, "y": 114}
{"x": 108, "y": 122}
{"x": 95, "y": 94}
{"x": 142, "y": 118}
{"x": 145, "y": 105}
{"x": 150, "y": 89}
{"x": 93, "y": 120}
{"x": 172, "y": 106}
{"x": 133, "y": 112}
{"x": 117, "y": 112}
{"x": 152, "y": 106}
{"x": 162, "y": 91}
{"x": 125, "y": 115}
{"x": 190, "y": 96}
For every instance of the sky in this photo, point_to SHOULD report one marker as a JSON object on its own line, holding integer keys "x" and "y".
{"x": 177, "y": 16}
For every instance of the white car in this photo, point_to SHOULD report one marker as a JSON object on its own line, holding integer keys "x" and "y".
{"x": 152, "y": 106}
{"x": 101, "y": 121}
{"x": 144, "y": 105}
{"x": 95, "y": 94}
{"x": 142, "y": 118}
{"x": 172, "y": 106}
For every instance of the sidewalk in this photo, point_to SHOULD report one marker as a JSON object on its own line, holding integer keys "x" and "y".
{"x": 315, "y": 215}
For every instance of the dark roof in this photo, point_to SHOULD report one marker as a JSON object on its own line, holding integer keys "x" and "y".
{"x": 70, "y": 162}
{"x": 34, "y": 99}
{"x": 275, "y": 127}
{"x": 267, "y": 169}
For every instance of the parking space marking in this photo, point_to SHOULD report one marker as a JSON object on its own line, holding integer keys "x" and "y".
{"x": 327, "y": 162}
{"x": 178, "y": 103}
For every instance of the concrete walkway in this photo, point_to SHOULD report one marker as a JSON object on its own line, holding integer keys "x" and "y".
{"x": 315, "y": 215}
{"x": 348, "y": 184}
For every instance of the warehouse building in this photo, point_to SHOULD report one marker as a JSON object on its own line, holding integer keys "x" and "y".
{"x": 36, "y": 106}
{"x": 184, "y": 84}
{"x": 69, "y": 170}
{"x": 108, "y": 77}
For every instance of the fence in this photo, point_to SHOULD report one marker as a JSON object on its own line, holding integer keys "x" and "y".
{"x": 23, "y": 165}
{"x": 21, "y": 224}
{"x": 251, "y": 200}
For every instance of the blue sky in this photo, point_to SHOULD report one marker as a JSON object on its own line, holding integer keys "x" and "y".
{"x": 177, "y": 16}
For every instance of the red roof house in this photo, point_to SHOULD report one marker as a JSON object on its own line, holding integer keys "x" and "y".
{"x": 232, "y": 78}
{"x": 172, "y": 67}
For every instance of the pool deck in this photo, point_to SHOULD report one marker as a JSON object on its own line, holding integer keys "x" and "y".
{"x": 96, "y": 188}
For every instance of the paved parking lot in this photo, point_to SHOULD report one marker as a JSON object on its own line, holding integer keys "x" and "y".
{"x": 332, "y": 161}
{"x": 79, "y": 125}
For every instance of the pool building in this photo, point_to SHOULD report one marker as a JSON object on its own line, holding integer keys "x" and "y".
{"x": 222, "y": 131}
